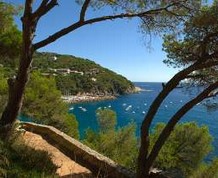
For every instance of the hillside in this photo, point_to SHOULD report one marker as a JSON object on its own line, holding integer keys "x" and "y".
{"x": 76, "y": 75}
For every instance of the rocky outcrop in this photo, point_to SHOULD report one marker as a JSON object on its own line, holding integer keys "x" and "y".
{"x": 98, "y": 164}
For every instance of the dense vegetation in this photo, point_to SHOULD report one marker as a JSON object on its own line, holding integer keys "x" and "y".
{"x": 185, "y": 149}
{"x": 206, "y": 170}
{"x": 194, "y": 50}
{"x": 118, "y": 144}
{"x": 42, "y": 103}
{"x": 76, "y": 75}
{"x": 10, "y": 36}
{"x": 182, "y": 154}
{"x": 197, "y": 47}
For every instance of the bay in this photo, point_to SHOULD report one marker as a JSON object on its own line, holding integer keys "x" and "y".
{"x": 133, "y": 107}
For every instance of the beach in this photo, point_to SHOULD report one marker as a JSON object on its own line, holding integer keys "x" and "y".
{"x": 86, "y": 98}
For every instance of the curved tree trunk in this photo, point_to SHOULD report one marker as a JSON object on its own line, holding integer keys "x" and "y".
{"x": 144, "y": 163}
{"x": 175, "y": 119}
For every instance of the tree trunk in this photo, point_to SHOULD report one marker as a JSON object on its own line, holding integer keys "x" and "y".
{"x": 17, "y": 85}
{"x": 164, "y": 135}
{"x": 16, "y": 90}
{"x": 145, "y": 160}
{"x": 142, "y": 170}
{"x": 143, "y": 166}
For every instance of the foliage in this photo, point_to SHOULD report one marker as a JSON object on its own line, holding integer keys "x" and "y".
{"x": 19, "y": 160}
{"x": 4, "y": 163}
{"x": 164, "y": 21}
{"x": 185, "y": 149}
{"x": 10, "y": 36}
{"x": 43, "y": 103}
{"x": 118, "y": 144}
{"x": 197, "y": 44}
{"x": 195, "y": 50}
{"x": 207, "y": 170}
{"x": 106, "y": 120}
{"x": 86, "y": 75}
{"x": 3, "y": 89}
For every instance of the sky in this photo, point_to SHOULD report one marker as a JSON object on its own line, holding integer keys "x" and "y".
{"x": 117, "y": 45}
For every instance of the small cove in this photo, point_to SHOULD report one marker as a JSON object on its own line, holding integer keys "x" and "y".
{"x": 133, "y": 107}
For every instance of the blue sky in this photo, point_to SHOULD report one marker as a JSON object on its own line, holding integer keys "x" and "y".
{"x": 117, "y": 45}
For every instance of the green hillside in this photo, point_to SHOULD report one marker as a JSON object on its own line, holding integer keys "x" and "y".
{"x": 76, "y": 75}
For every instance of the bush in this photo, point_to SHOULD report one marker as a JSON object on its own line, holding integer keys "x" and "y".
{"x": 185, "y": 149}
{"x": 4, "y": 162}
{"x": 118, "y": 144}
{"x": 43, "y": 103}
{"x": 207, "y": 170}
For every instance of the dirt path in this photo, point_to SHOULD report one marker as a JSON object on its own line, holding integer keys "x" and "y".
{"x": 67, "y": 167}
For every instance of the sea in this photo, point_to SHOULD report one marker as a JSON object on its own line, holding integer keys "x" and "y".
{"x": 133, "y": 108}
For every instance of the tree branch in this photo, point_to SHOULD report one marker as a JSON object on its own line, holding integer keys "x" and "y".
{"x": 83, "y": 10}
{"x": 44, "y": 7}
{"x": 202, "y": 48}
{"x": 195, "y": 76}
{"x": 171, "y": 85}
{"x": 80, "y": 23}
{"x": 28, "y": 7}
{"x": 143, "y": 151}
{"x": 209, "y": 36}
{"x": 175, "y": 119}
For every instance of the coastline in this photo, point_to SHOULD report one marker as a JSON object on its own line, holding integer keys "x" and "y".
{"x": 72, "y": 99}
{"x": 87, "y": 97}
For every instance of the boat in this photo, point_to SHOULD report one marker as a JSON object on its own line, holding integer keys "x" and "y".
{"x": 128, "y": 108}
{"x": 72, "y": 108}
{"x": 84, "y": 109}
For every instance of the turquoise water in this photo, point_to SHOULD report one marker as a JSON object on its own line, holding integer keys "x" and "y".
{"x": 133, "y": 107}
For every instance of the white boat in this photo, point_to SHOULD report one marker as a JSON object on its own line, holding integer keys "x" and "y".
{"x": 72, "y": 108}
{"x": 128, "y": 108}
{"x": 84, "y": 109}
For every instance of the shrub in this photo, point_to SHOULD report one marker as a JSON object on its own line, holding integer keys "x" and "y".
{"x": 185, "y": 149}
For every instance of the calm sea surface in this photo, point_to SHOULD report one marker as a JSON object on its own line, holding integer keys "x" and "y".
{"x": 133, "y": 107}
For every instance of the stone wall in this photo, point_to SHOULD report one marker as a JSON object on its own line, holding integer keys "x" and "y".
{"x": 98, "y": 164}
